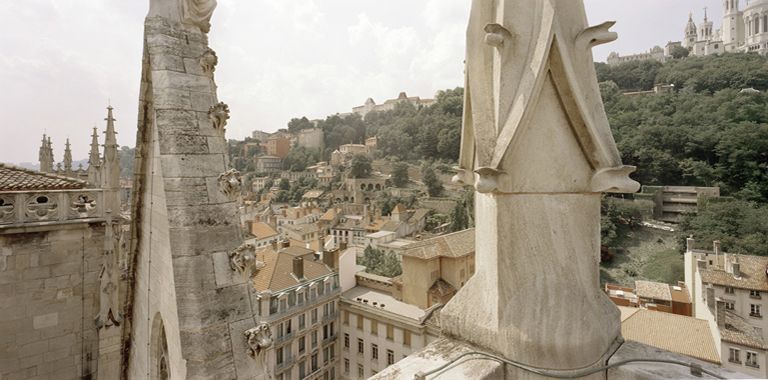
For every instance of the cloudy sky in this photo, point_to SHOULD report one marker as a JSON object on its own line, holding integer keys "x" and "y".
{"x": 62, "y": 61}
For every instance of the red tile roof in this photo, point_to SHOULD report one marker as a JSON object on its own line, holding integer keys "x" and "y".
{"x": 14, "y": 178}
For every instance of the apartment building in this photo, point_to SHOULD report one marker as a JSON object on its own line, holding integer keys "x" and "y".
{"x": 298, "y": 296}
{"x": 652, "y": 295}
{"x": 729, "y": 291}
{"x": 377, "y": 331}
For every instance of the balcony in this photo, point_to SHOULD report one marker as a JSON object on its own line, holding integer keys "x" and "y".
{"x": 330, "y": 317}
{"x": 330, "y": 339}
{"x": 755, "y": 315}
{"x": 59, "y": 206}
{"x": 284, "y": 337}
{"x": 287, "y": 362}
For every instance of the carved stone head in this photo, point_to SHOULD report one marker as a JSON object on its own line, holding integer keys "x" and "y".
{"x": 258, "y": 338}
{"x": 230, "y": 183}
{"x": 219, "y": 114}
{"x": 242, "y": 258}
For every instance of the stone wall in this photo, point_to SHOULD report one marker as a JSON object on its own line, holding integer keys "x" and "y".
{"x": 49, "y": 297}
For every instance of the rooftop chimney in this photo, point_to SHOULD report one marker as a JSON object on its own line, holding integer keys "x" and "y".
{"x": 331, "y": 259}
{"x": 298, "y": 267}
{"x": 736, "y": 269}
{"x": 689, "y": 243}
{"x": 716, "y": 247}
{"x": 720, "y": 314}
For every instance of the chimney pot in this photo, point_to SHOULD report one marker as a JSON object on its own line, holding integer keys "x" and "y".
{"x": 736, "y": 268}
{"x": 716, "y": 246}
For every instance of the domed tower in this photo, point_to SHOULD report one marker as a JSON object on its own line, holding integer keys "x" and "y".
{"x": 690, "y": 33}
{"x": 733, "y": 25}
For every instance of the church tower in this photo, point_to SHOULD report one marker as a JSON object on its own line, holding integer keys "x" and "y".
{"x": 690, "y": 33}
{"x": 733, "y": 25}
{"x": 705, "y": 30}
{"x": 110, "y": 166}
{"x": 67, "y": 159}
{"x": 94, "y": 161}
{"x": 45, "y": 155}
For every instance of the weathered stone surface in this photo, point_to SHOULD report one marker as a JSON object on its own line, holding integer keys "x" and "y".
{"x": 183, "y": 144}
{"x": 167, "y": 62}
{"x": 247, "y": 367}
{"x": 653, "y": 371}
{"x": 203, "y": 240}
{"x": 181, "y": 81}
{"x": 206, "y": 344}
{"x": 225, "y": 276}
{"x": 171, "y": 98}
{"x": 192, "y": 165}
{"x": 202, "y": 101}
{"x": 202, "y": 215}
{"x": 200, "y": 308}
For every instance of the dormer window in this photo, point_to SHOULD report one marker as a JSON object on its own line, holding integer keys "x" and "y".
{"x": 729, "y": 290}
{"x": 754, "y": 294}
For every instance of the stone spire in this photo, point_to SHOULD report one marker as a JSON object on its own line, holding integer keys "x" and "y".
{"x": 44, "y": 156}
{"x": 94, "y": 160}
{"x": 110, "y": 166}
{"x": 537, "y": 147}
{"x": 67, "y": 158}
{"x": 50, "y": 152}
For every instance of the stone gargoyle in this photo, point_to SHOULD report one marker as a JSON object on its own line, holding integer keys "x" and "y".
{"x": 243, "y": 257}
{"x": 258, "y": 338}
{"x": 230, "y": 183}
{"x": 219, "y": 114}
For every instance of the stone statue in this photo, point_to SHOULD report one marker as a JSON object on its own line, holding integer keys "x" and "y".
{"x": 258, "y": 338}
{"x": 108, "y": 301}
{"x": 537, "y": 148}
{"x": 192, "y": 12}
{"x": 242, "y": 258}
{"x": 219, "y": 114}
{"x": 208, "y": 62}
{"x": 230, "y": 183}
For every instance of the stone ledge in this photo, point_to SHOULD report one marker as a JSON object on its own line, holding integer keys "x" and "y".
{"x": 440, "y": 353}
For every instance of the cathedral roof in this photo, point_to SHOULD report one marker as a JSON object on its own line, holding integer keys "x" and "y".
{"x": 13, "y": 178}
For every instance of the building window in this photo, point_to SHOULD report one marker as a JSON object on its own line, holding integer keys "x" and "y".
{"x": 406, "y": 338}
{"x": 314, "y": 362}
{"x": 752, "y": 359}
{"x": 729, "y": 290}
{"x": 360, "y": 346}
{"x": 283, "y": 305}
{"x": 326, "y": 355}
{"x": 390, "y": 357}
{"x": 279, "y": 356}
{"x": 280, "y": 330}
{"x": 314, "y": 316}
{"x": 288, "y": 327}
{"x": 360, "y": 371}
{"x": 302, "y": 345}
{"x": 314, "y": 339}
{"x": 374, "y": 327}
{"x": 374, "y": 351}
{"x": 302, "y": 321}
{"x": 729, "y": 305}
{"x": 754, "y": 294}
{"x": 346, "y": 317}
{"x": 754, "y": 310}
{"x": 734, "y": 355}
{"x": 346, "y": 341}
{"x": 302, "y": 369}
{"x": 360, "y": 322}
{"x": 346, "y": 366}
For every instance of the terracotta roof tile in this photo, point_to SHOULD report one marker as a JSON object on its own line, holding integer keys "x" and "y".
{"x": 14, "y": 178}
{"x": 676, "y": 333}
{"x": 753, "y": 273}
{"x": 277, "y": 273}
{"x": 653, "y": 290}
{"x": 262, "y": 230}
{"x": 456, "y": 244}
{"x": 739, "y": 331}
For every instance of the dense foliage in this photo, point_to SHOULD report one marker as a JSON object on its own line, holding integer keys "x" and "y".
{"x": 399, "y": 174}
{"x": 741, "y": 226}
{"x": 360, "y": 167}
{"x": 379, "y": 262}
{"x": 618, "y": 219}
{"x": 433, "y": 184}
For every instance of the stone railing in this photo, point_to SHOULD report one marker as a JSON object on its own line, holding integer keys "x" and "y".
{"x": 25, "y": 207}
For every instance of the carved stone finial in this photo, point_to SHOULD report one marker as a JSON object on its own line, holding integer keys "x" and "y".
{"x": 242, "y": 258}
{"x": 258, "y": 338}
{"x": 208, "y": 62}
{"x": 230, "y": 183}
{"x": 219, "y": 114}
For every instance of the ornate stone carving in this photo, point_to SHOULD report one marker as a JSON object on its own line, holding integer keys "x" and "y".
{"x": 41, "y": 207}
{"x": 258, "y": 338}
{"x": 230, "y": 183}
{"x": 7, "y": 209}
{"x": 208, "y": 62}
{"x": 82, "y": 205}
{"x": 198, "y": 12}
{"x": 219, "y": 114}
{"x": 242, "y": 258}
{"x": 109, "y": 314}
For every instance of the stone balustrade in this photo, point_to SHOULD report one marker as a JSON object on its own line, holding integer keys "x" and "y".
{"x": 31, "y": 207}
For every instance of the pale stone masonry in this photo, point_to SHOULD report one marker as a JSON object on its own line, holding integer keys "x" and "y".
{"x": 190, "y": 297}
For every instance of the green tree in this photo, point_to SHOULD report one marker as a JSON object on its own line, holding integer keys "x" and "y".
{"x": 380, "y": 262}
{"x": 459, "y": 218}
{"x": 360, "y": 166}
{"x": 400, "y": 174}
{"x": 678, "y": 52}
{"x": 433, "y": 184}
{"x": 297, "y": 124}
{"x": 285, "y": 184}
{"x": 741, "y": 226}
